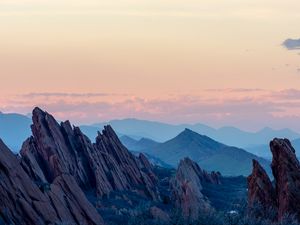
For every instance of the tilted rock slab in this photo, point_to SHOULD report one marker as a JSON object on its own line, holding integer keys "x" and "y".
{"x": 23, "y": 202}
{"x": 186, "y": 189}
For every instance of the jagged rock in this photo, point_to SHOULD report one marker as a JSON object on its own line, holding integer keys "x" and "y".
{"x": 105, "y": 166}
{"x": 186, "y": 189}
{"x": 286, "y": 171}
{"x": 23, "y": 202}
{"x": 58, "y": 163}
{"x": 122, "y": 166}
{"x": 260, "y": 188}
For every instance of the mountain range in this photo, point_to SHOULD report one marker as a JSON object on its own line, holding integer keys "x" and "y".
{"x": 14, "y": 128}
{"x": 208, "y": 153}
{"x": 228, "y": 135}
{"x": 62, "y": 177}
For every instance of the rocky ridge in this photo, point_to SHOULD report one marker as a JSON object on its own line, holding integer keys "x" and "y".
{"x": 104, "y": 166}
{"x": 23, "y": 202}
{"x": 58, "y": 165}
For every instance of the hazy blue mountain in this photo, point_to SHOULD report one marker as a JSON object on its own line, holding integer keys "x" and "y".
{"x": 265, "y": 152}
{"x": 128, "y": 142}
{"x": 208, "y": 153}
{"x": 90, "y": 131}
{"x": 141, "y": 128}
{"x": 138, "y": 145}
{"x": 161, "y": 132}
{"x": 14, "y": 129}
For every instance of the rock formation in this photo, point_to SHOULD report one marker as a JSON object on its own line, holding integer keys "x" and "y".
{"x": 186, "y": 189}
{"x": 104, "y": 166}
{"x": 61, "y": 177}
{"x": 286, "y": 170}
{"x": 58, "y": 166}
{"x": 260, "y": 188}
{"x": 23, "y": 202}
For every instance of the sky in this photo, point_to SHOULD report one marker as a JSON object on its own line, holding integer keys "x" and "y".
{"x": 233, "y": 62}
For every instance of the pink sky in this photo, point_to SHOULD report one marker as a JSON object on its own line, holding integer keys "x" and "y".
{"x": 220, "y": 63}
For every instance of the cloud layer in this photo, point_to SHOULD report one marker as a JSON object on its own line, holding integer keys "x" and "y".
{"x": 245, "y": 108}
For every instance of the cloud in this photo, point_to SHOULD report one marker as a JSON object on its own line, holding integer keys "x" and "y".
{"x": 244, "y": 108}
{"x": 63, "y": 94}
{"x": 292, "y": 44}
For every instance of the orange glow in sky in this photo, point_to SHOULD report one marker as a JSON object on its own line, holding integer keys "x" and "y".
{"x": 173, "y": 61}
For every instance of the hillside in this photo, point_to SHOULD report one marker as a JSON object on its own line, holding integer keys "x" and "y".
{"x": 208, "y": 153}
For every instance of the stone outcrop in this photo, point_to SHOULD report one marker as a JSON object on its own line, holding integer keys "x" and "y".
{"x": 285, "y": 197}
{"x": 56, "y": 149}
{"x": 260, "y": 187}
{"x": 286, "y": 171}
{"x": 58, "y": 166}
{"x": 24, "y": 202}
{"x": 187, "y": 186}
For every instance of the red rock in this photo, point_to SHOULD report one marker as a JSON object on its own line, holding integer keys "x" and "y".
{"x": 260, "y": 188}
{"x": 126, "y": 170}
{"x": 22, "y": 201}
{"x": 186, "y": 189}
{"x": 286, "y": 171}
{"x": 104, "y": 166}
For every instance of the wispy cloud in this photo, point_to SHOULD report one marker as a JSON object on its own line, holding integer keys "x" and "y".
{"x": 63, "y": 94}
{"x": 245, "y": 108}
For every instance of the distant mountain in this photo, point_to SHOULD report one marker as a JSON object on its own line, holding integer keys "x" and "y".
{"x": 208, "y": 153}
{"x": 142, "y": 128}
{"x": 161, "y": 132}
{"x": 143, "y": 145}
{"x": 14, "y": 129}
{"x": 264, "y": 150}
{"x": 138, "y": 145}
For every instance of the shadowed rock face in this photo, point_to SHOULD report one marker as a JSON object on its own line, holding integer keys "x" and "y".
{"x": 286, "y": 170}
{"x": 23, "y": 202}
{"x": 104, "y": 166}
{"x": 186, "y": 188}
{"x": 260, "y": 187}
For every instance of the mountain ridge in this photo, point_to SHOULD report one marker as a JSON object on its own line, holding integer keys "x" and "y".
{"x": 156, "y": 131}
{"x": 208, "y": 153}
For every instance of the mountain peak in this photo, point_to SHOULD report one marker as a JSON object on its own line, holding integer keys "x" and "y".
{"x": 189, "y": 132}
{"x": 191, "y": 136}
